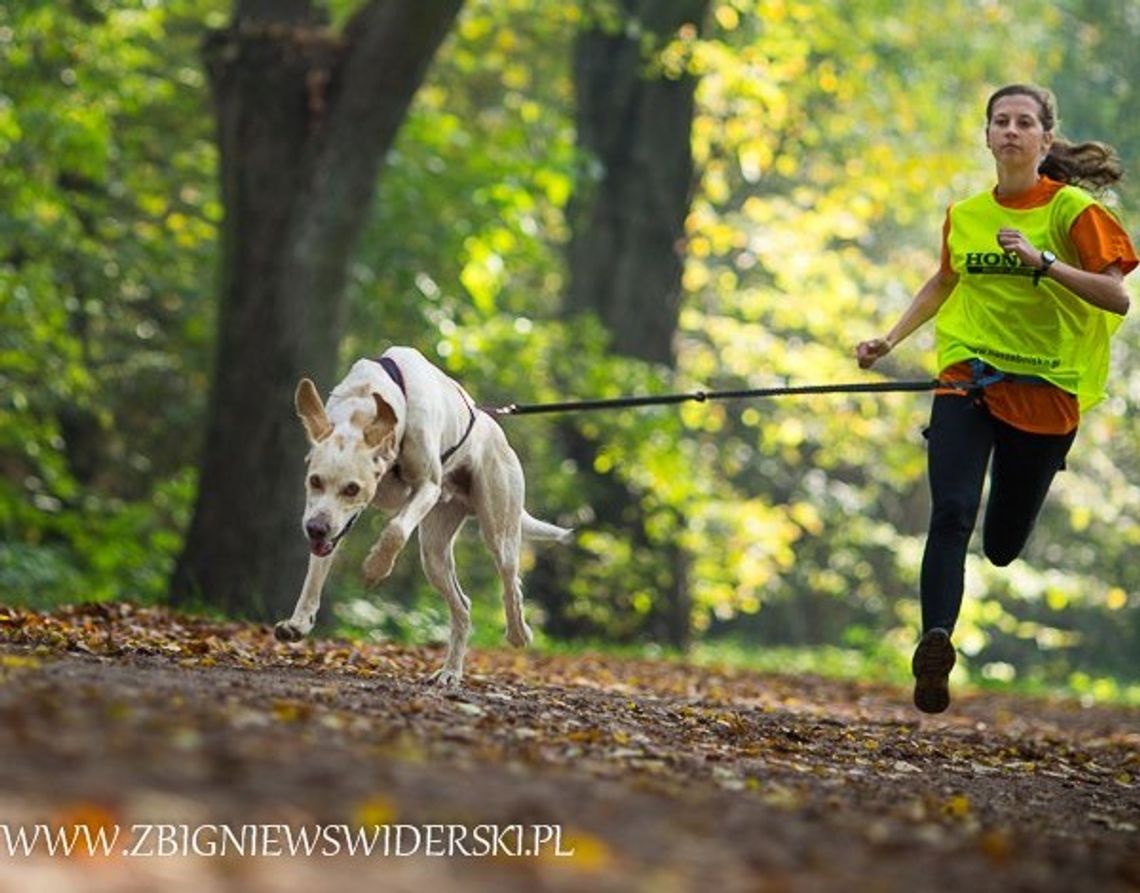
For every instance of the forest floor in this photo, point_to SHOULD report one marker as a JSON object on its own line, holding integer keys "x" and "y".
{"x": 656, "y": 776}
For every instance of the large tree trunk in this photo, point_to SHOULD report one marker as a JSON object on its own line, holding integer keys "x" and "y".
{"x": 305, "y": 117}
{"x": 626, "y": 251}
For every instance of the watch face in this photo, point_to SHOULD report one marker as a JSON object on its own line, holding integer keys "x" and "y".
{"x": 1048, "y": 257}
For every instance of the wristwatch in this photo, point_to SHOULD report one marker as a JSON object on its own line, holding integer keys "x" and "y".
{"x": 1048, "y": 258}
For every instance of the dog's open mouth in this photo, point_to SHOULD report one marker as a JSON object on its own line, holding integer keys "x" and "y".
{"x": 324, "y": 548}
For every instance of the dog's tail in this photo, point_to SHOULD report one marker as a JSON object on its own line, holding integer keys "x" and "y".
{"x": 533, "y": 529}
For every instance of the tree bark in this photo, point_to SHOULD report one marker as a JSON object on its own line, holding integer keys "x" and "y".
{"x": 305, "y": 116}
{"x": 626, "y": 252}
{"x": 627, "y": 247}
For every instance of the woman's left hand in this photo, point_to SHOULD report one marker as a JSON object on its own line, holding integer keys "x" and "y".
{"x": 1012, "y": 241}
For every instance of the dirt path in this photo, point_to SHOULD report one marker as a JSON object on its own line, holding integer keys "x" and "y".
{"x": 657, "y": 776}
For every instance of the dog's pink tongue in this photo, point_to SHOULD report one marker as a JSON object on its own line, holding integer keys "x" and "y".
{"x": 321, "y": 550}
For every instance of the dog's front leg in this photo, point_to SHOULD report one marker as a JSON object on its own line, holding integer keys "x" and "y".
{"x": 382, "y": 557}
{"x": 437, "y": 533}
{"x": 305, "y": 611}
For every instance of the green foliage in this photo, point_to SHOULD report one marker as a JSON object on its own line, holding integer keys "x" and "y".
{"x": 107, "y": 234}
{"x": 469, "y": 212}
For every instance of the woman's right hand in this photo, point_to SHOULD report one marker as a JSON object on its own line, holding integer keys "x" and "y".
{"x": 869, "y": 352}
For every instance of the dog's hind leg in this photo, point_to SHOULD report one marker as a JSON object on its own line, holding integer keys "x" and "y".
{"x": 507, "y": 558}
{"x": 498, "y": 499}
{"x": 437, "y": 534}
{"x": 305, "y": 611}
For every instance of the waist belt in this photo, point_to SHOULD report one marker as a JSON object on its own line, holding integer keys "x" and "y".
{"x": 984, "y": 375}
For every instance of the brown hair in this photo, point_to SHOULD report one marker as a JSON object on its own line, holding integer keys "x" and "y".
{"x": 1091, "y": 165}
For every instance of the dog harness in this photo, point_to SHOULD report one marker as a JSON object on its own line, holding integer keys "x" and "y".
{"x": 393, "y": 370}
{"x": 394, "y": 373}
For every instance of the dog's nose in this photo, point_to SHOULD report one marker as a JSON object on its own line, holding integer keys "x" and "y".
{"x": 317, "y": 529}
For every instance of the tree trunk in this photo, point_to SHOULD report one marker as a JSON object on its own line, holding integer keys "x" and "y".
{"x": 626, "y": 251}
{"x": 627, "y": 246}
{"x": 305, "y": 117}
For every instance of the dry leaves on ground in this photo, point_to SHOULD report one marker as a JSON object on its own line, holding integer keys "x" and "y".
{"x": 659, "y": 775}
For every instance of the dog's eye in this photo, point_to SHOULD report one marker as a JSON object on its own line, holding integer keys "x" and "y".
{"x": 316, "y": 483}
{"x": 350, "y": 490}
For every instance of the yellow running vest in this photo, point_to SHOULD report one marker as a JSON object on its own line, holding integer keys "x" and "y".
{"x": 997, "y": 314}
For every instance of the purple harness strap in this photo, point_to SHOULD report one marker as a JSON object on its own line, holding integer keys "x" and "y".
{"x": 397, "y": 376}
{"x": 394, "y": 372}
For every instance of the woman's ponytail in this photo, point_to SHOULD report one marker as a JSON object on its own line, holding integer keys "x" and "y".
{"x": 1093, "y": 166}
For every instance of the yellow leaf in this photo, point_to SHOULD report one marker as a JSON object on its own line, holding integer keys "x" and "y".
{"x": 376, "y": 810}
{"x": 290, "y": 711}
{"x": 587, "y": 852}
{"x": 19, "y": 661}
{"x": 1080, "y": 518}
{"x": 727, "y": 17}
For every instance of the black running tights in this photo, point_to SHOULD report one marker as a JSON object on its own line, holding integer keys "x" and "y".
{"x": 962, "y": 438}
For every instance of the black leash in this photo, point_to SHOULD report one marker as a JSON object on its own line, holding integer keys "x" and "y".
{"x": 702, "y": 396}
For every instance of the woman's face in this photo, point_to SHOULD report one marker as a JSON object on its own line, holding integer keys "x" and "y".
{"x": 1015, "y": 134}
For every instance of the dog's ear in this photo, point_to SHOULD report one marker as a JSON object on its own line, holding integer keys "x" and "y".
{"x": 383, "y": 427}
{"x": 312, "y": 411}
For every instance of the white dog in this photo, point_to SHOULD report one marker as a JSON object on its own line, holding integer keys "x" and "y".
{"x": 399, "y": 434}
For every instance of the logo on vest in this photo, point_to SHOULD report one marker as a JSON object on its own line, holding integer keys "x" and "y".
{"x": 996, "y": 263}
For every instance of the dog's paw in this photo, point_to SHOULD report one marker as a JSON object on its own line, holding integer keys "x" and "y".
{"x": 380, "y": 561}
{"x": 288, "y": 631}
{"x": 376, "y": 567}
{"x": 445, "y": 677}
{"x": 520, "y": 636}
